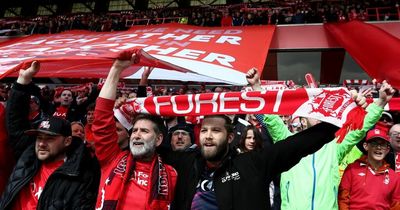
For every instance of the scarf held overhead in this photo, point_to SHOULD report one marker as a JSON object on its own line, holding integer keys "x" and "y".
{"x": 331, "y": 105}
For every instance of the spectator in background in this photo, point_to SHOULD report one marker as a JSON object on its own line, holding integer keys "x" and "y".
{"x": 89, "y": 121}
{"x": 237, "y": 19}
{"x": 249, "y": 20}
{"x": 286, "y": 119}
{"x": 36, "y": 115}
{"x": 250, "y": 140}
{"x": 297, "y": 124}
{"x": 386, "y": 119}
{"x": 64, "y": 105}
{"x": 181, "y": 137}
{"x": 370, "y": 183}
{"x": 393, "y": 158}
{"x": 226, "y": 19}
{"x": 78, "y": 130}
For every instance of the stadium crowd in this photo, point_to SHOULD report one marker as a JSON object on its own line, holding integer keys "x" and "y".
{"x": 73, "y": 148}
{"x": 298, "y": 12}
{"x": 82, "y": 147}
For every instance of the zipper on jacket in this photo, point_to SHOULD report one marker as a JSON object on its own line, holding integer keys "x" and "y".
{"x": 287, "y": 190}
{"x": 314, "y": 180}
{"x": 335, "y": 193}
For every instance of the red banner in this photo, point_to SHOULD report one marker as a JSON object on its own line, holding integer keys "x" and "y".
{"x": 223, "y": 53}
{"x": 374, "y": 49}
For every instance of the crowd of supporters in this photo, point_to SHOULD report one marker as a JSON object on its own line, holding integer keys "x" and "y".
{"x": 299, "y": 12}
{"x": 77, "y": 148}
{"x": 100, "y": 152}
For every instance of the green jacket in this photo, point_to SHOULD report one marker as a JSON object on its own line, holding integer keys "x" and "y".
{"x": 312, "y": 184}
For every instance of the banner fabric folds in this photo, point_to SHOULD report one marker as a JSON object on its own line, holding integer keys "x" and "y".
{"x": 224, "y": 53}
{"x": 375, "y": 50}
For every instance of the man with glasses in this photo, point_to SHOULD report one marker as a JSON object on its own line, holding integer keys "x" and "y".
{"x": 182, "y": 137}
{"x": 370, "y": 183}
{"x": 393, "y": 158}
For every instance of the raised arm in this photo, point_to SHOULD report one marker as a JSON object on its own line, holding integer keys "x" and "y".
{"x": 144, "y": 82}
{"x": 374, "y": 112}
{"x": 103, "y": 127}
{"x": 18, "y": 109}
{"x": 273, "y": 123}
{"x": 285, "y": 154}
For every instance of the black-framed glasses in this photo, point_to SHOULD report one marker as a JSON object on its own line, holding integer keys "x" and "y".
{"x": 381, "y": 145}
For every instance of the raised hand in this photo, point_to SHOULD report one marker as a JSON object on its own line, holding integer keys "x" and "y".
{"x": 119, "y": 102}
{"x": 145, "y": 75}
{"x": 25, "y": 75}
{"x": 123, "y": 62}
{"x": 359, "y": 98}
{"x": 386, "y": 93}
{"x": 253, "y": 79}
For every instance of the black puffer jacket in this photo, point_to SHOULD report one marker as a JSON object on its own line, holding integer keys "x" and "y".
{"x": 74, "y": 185}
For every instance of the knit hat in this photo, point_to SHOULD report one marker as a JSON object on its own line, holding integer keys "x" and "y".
{"x": 182, "y": 126}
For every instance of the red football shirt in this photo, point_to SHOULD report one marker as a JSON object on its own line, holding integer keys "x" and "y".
{"x": 136, "y": 191}
{"x": 28, "y": 197}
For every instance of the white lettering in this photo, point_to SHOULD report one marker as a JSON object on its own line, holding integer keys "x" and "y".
{"x": 148, "y": 35}
{"x": 128, "y": 46}
{"x": 216, "y": 32}
{"x": 212, "y": 101}
{"x": 83, "y": 40}
{"x": 233, "y": 32}
{"x": 224, "y": 99}
{"x": 222, "y": 59}
{"x": 278, "y": 101}
{"x": 230, "y": 39}
{"x": 175, "y": 37}
{"x": 159, "y": 104}
{"x": 88, "y": 47}
{"x": 187, "y": 53}
{"x": 259, "y": 99}
{"x": 202, "y": 38}
{"x": 160, "y": 50}
{"x": 175, "y": 107}
{"x": 124, "y": 36}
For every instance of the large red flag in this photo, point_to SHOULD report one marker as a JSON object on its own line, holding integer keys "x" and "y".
{"x": 375, "y": 50}
{"x": 224, "y": 53}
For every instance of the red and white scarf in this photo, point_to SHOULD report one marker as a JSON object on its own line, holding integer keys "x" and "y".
{"x": 161, "y": 184}
{"x": 329, "y": 105}
{"x": 332, "y": 105}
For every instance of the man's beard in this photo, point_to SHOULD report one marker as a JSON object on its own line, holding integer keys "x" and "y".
{"x": 146, "y": 150}
{"x": 217, "y": 154}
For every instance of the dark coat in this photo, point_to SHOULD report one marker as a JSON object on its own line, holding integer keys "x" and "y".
{"x": 242, "y": 181}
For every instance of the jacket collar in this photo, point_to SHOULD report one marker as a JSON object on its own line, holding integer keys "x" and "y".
{"x": 75, "y": 157}
{"x": 383, "y": 169}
